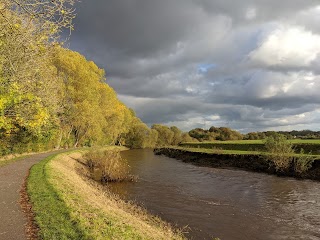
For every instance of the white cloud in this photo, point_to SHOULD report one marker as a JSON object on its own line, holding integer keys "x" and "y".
{"x": 266, "y": 57}
{"x": 288, "y": 46}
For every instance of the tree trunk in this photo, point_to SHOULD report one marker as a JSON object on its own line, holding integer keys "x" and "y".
{"x": 59, "y": 141}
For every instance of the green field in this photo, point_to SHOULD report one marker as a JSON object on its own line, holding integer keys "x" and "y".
{"x": 217, "y": 151}
{"x": 311, "y": 146}
{"x": 234, "y": 152}
{"x": 300, "y": 141}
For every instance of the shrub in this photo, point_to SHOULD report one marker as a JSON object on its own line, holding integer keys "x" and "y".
{"x": 303, "y": 162}
{"x": 111, "y": 165}
{"x": 280, "y": 151}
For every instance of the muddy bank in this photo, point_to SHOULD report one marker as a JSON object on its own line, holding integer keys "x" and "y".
{"x": 251, "y": 162}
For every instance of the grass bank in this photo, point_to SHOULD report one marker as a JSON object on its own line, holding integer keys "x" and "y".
{"x": 309, "y": 146}
{"x": 68, "y": 205}
{"x": 248, "y": 160}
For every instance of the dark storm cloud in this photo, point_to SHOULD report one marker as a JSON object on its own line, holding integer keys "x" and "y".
{"x": 264, "y": 10}
{"x": 244, "y": 64}
{"x": 137, "y": 28}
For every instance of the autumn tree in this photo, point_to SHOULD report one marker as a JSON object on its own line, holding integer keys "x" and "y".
{"x": 185, "y": 137}
{"x": 165, "y": 135}
{"x": 51, "y": 96}
{"x": 177, "y": 135}
{"x": 139, "y": 135}
{"x": 28, "y": 81}
{"x": 92, "y": 112}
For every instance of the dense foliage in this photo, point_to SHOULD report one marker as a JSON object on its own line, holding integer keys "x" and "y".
{"x": 215, "y": 133}
{"x": 281, "y": 151}
{"x": 30, "y": 88}
{"x": 52, "y": 97}
{"x": 303, "y": 134}
{"x": 227, "y": 134}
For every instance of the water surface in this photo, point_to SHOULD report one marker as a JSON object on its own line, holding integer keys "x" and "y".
{"x": 225, "y": 203}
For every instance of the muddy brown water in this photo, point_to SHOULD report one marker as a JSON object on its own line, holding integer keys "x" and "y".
{"x": 226, "y": 203}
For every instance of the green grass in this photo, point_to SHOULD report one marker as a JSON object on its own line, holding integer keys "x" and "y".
{"x": 309, "y": 146}
{"x": 297, "y": 141}
{"x": 232, "y": 142}
{"x": 236, "y": 152}
{"x": 52, "y": 214}
{"x": 306, "y": 141}
{"x": 69, "y": 206}
{"x": 217, "y": 151}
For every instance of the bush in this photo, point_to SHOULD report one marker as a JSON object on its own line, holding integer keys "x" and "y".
{"x": 111, "y": 166}
{"x": 303, "y": 162}
{"x": 280, "y": 151}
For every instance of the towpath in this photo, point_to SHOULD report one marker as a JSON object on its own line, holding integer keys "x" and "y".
{"x": 12, "y": 219}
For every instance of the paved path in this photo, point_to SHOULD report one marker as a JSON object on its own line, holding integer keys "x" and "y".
{"x": 12, "y": 219}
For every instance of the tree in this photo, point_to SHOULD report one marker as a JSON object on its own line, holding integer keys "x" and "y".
{"x": 51, "y": 96}
{"x": 28, "y": 81}
{"x": 280, "y": 151}
{"x": 165, "y": 135}
{"x": 49, "y": 16}
{"x": 177, "y": 137}
{"x": 187, "y": 138}
{"x": 138, "y": 135}
{"x": 92, "y": 111}
{"x": 199, "y": 133}
{"x": 28, "y": 84}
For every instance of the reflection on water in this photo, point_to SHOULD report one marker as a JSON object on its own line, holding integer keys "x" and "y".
{"x": 229, "y": 204}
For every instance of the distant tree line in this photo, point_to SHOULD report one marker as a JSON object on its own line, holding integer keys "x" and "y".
{"x": 303, "y": 134}
{"x": 227, "y": 134}
{"x": 215, "y": 133}
{"x": 140, "y": 136}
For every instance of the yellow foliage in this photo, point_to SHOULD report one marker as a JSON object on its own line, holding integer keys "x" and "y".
{"x": 46, "y": 89}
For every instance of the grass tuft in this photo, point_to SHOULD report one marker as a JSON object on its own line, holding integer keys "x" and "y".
{"x": 107, "y": 165}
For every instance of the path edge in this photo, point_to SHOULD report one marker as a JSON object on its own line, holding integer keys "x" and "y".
{"x": 31, "y": 227}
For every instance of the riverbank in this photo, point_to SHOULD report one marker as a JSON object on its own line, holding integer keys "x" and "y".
{"x": 307, "y": 146}
{"x": 68, "y": 205}
{"x": 252, "y": 161}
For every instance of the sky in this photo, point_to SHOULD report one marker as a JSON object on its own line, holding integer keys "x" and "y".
{"x": 251, "y": 65}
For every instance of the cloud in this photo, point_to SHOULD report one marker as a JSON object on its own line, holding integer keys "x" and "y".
{"x": 288, "y": 46}
{"x": 245, "y": 64}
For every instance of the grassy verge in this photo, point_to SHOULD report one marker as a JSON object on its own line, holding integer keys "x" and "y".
{"x": 308, "y": 146}
{"x": 238, "y": 152}
{"x": 217, "y": 151}
{"x": 297, "y": 141}
{"x": 52, "y": 214}
{"x": 305, "y": 166}
{"x": 68, "y": 205}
